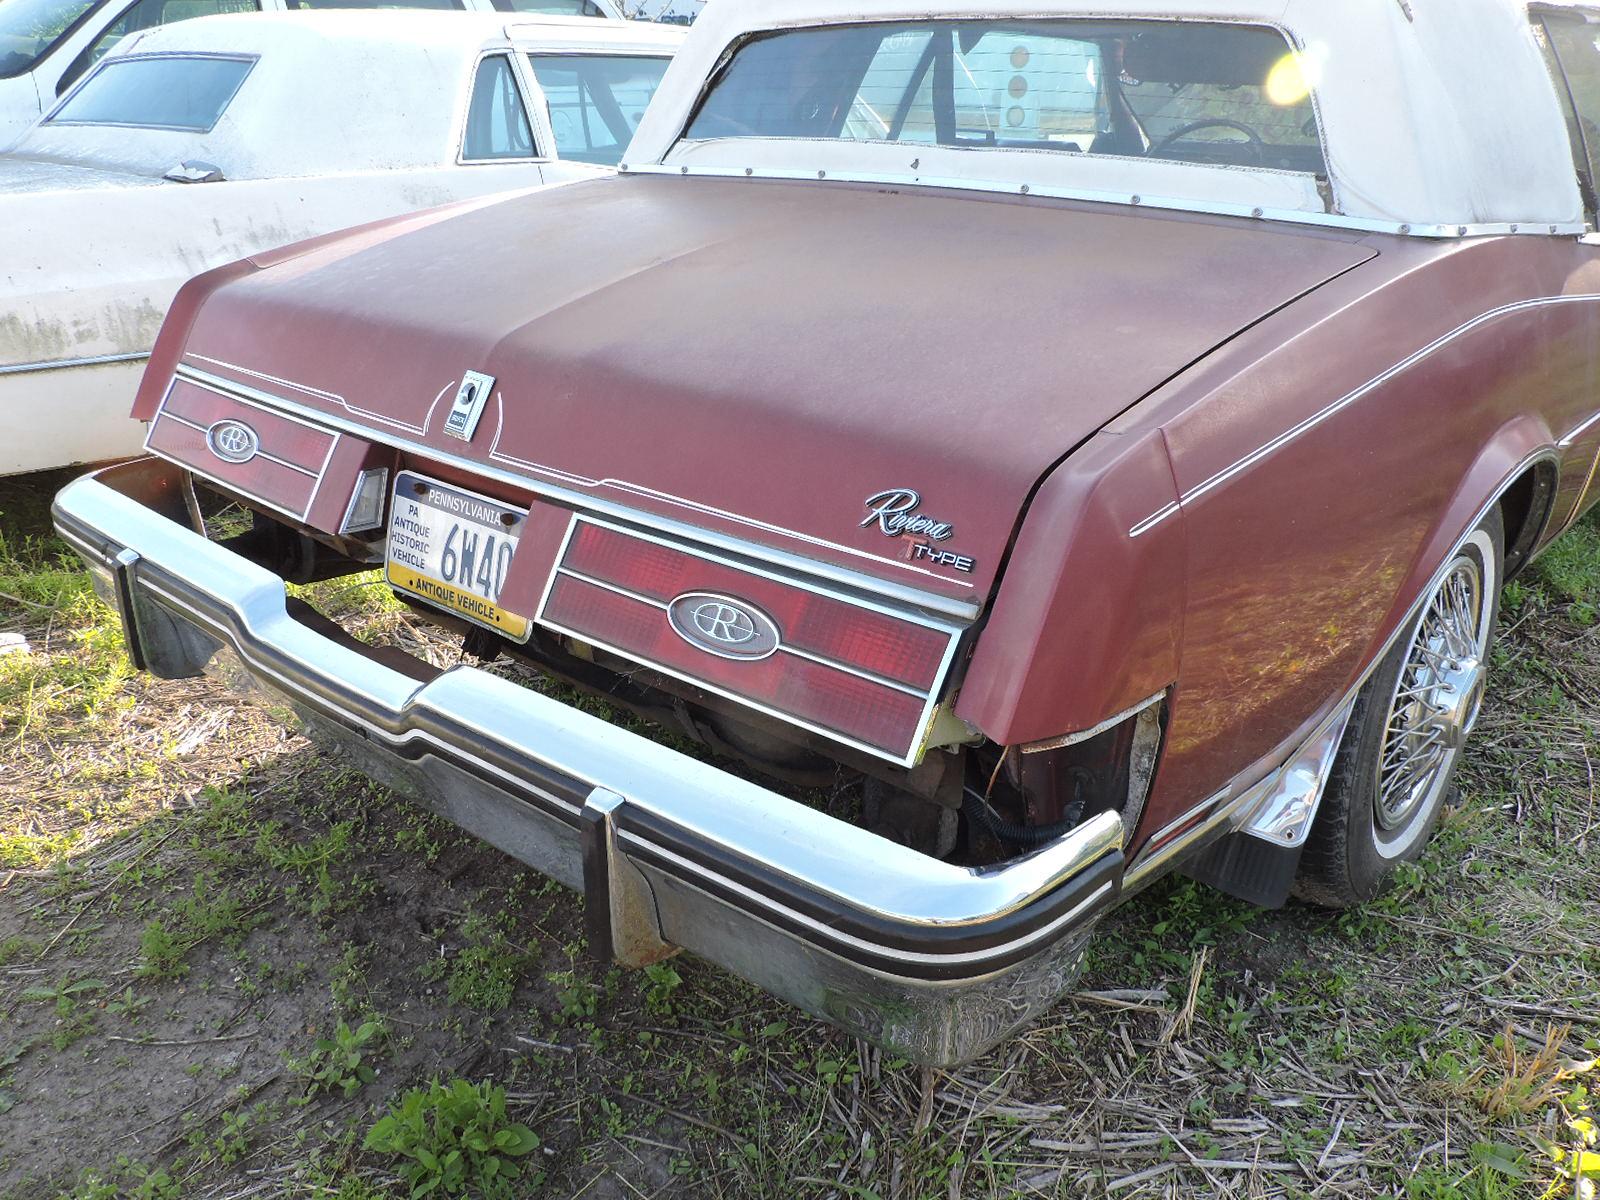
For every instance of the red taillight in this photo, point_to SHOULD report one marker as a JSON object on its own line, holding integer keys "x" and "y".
{"x": 868, "y": 676}
{"x": 795, "y": 687}
{"x": 281, "y": 437}
{"x": 857, "y": 637}
{"x": 866, "y": 640}
{"x": 282, "y": 487}
{"x": 284, "y": 467}
{"x": 646, "y": 568}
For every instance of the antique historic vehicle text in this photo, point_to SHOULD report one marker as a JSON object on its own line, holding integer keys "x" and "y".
{"x": 1098, "y": 438}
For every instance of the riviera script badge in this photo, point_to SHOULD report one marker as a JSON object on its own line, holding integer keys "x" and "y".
{"x": 895, "y": 512}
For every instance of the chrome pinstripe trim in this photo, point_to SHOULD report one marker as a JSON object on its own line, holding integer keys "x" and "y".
{"x": 1171, "y": 508}
{"x": 1318, "y": 417}
{"x": 930, "y": 697}
{"x": 692, "y": 505}
{"x": 94, "y": 360}
{"x": 1164, "y": 203}
{"x": 321, "y": 473}
{"x": 782, "y": 648}
{"x": 333, "y": 397}
{"x": 963, "y": 611}
{"x": 1578, "y": 431}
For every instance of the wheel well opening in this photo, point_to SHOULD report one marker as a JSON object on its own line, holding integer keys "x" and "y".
{"x": 1524, "y": 509}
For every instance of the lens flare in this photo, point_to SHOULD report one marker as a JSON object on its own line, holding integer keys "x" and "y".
{"x": 1293, "y": 77}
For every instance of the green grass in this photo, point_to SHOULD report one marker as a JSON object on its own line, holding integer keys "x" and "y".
{"x": 250, "y": 903}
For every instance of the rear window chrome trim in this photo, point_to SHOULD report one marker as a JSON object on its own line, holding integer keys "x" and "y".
{"x": 1095, "y": 196}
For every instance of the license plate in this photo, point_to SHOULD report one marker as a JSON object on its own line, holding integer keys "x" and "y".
{"x": 453, "y": 548}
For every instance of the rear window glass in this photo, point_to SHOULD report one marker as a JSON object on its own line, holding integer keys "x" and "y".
{"x": 297, "y": 4}
{"x": 29, "y": 29}
{"x": 564, "y": 8}
{"x": 188, "y": 92}
{"x": 1180, "y": 91}
{"x": 596, "y": 101}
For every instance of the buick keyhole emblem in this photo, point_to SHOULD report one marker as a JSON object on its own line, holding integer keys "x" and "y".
{"x": 233, "y": 441}
{"x": 723, "y": 626}
{"x": 467, "y": 408}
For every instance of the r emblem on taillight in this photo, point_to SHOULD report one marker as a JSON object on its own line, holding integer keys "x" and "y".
{"x": 233, "y": 441}
{"x": 723, "y": 626}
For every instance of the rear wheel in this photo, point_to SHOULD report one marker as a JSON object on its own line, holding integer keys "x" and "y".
{"x": 1406, "y": 733}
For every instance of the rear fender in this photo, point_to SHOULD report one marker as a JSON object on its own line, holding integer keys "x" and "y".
{"x": 1522, "y": 444}
{"x": 1089, "y": 615}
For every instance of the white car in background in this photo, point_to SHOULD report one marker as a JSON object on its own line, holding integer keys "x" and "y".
{"x": 212, "y": 140}
{"x": 48, "y": 45}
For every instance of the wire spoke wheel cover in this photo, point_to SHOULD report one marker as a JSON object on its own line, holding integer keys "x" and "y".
{"x": 1436, "y": 700}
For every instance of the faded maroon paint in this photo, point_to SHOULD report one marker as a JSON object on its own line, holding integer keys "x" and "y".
{"x": 176, "y": 327}
{"x": 779, "y": 352}
{"x": 1089, "y": 621}
{"x": 1303, "y": 564}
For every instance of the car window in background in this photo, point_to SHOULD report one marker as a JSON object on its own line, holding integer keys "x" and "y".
{"x": 596, "y": 101}
{"x": 1181, "y": 91}
{"x": 158, "y": 91}
{"x": 144, "y": 14}
{"x": 30, "y": 28}
{"x": 295, "y": 4}
{"x": 1574, "y": 45}
{"x": 497, "y": 122}
{"x": 564, "y": 8}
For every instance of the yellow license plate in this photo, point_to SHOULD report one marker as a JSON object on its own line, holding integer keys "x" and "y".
{"x": 453, "y": 549}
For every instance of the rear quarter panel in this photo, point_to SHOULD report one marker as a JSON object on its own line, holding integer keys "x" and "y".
{"x": 1327, "y": 461}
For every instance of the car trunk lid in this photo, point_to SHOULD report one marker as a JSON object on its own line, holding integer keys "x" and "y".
{"x": 777, "y": 361}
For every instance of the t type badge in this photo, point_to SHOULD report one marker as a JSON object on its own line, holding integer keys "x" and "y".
{"x": 471, "y": 396}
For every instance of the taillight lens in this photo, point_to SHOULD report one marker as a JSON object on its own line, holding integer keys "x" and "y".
{"x": 861, "y": 709}
{"x": 862, "y": 638}
{"x": 868, "y": 676}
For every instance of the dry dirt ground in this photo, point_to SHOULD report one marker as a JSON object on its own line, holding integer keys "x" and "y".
{"x": 224, "y": 958}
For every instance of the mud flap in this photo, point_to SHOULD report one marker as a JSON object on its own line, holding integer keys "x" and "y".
{"x": 1249, "y": 869}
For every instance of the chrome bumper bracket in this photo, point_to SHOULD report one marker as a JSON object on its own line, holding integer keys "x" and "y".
{"x": 620, "y": 910}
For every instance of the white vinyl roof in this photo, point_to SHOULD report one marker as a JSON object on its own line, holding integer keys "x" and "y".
{"x": 333, "y": 90}
{"x": 1438, "y": 117}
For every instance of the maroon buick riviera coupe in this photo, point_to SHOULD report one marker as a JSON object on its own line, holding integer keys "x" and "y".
{"x": 1100, "y": 439}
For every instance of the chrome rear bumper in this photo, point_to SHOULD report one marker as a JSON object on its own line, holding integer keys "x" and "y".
{"x": 934, "y": 961}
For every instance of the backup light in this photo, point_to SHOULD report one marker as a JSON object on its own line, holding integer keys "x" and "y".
{"x": 366, "y": 502}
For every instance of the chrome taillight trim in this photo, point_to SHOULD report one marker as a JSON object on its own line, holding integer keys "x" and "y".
{"x": 264, "y": 405}
{"x": 827, "y": 575}
{"x": 930, "y": 698}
